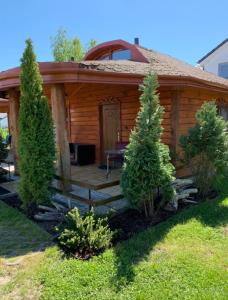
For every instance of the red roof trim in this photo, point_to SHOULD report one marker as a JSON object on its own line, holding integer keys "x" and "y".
{"x": 106, "y": 47}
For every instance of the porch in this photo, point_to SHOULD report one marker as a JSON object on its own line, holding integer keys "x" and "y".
{"x": 90, "y": 187}
{"x": 85, "y": 113}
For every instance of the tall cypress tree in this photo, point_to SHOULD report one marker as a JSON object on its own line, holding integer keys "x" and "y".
{"x": 36, "y": 135}
{"x": 147, "y": 163}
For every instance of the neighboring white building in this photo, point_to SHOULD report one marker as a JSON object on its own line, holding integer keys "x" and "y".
{"x": 216, "y": 61}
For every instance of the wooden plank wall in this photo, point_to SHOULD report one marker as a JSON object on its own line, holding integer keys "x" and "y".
{"x": 83, "y": 103}
{"x": 84, "y": 111}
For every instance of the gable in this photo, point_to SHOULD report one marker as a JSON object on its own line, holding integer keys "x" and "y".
{"x": 217, "y": 51}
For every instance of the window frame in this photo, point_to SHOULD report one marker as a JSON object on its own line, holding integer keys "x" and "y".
{"x": 219, "y": 69}
{"x": 110, "y": 55}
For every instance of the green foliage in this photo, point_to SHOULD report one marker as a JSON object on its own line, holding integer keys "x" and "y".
{"x": 205, "y": 148}
{"x": 3, "y": 149}
{"x": 65, "y": 49}
{"x": 36, "y": 139}
{"x": 4, "y": 133}
{"x": 147, "y": 162}
{"x": 85, "y": 235}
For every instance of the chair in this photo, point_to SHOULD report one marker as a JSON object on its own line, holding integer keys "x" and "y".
{"x": 116, "y": 156}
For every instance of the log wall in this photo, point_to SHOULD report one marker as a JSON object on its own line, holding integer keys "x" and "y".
{"x": 83, "y": 103}
{"x": 84, "y": 111}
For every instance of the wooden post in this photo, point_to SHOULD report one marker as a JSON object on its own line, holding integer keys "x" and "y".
{"x": 175, "y": 117}
{"x": 59, "y": 114}
{"x": 13, "y": 124}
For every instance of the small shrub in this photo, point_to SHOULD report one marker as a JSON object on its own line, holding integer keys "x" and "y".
{"x": 85, "y": 236}
{"x": 205, "y": 148}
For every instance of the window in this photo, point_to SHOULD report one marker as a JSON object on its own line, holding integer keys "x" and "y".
{"x": 223, "y": 70}
{"x": 124, "y": 54}
{"x": 121, "y": 54}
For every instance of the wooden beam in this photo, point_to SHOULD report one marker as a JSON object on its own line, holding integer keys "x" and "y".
{"x": 77, "y": 88}
{"x": 13, "y": 124}
{"x": 175, "y": 111}
{"x": 59, "y": 114}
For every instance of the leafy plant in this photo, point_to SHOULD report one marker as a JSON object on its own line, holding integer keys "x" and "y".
{"x": 85, "y": 236}
{"x": 147, "y": 163}
{"x": 205, "y": 148}
{"x": 36, "y": 139}
{"x": 4, "y": 132}
{"x": 66, "y": 49}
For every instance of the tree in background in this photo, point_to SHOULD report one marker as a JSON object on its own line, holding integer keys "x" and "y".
{"x": 147, "y": 163}
{"x": 66, "y": 49}
{"x": 4, "y": 132}
{"x": 205, "y": 148}
{"x": 36, "y": 136}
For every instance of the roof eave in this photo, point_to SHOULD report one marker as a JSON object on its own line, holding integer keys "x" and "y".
{"x": 71, "y": 73}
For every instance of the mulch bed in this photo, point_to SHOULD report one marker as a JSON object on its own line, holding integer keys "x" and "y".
{"x": 131, "y": 222}
{"x": 126, "y": 223}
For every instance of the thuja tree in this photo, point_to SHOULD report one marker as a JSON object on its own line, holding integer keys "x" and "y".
{"x": 205, "y": 148}
{"x": 36, "y": 135}
{"x": 147, "y": 165}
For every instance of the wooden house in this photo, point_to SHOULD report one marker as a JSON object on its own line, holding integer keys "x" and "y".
{"x": 96, "y": 101}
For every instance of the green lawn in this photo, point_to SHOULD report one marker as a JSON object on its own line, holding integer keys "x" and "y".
{"x": 185, "y": 257}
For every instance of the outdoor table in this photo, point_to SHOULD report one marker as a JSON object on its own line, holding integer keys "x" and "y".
{"x": 109, "y": 153}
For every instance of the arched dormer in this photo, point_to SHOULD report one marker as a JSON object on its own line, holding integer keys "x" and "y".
{"x": 115, "y": 50}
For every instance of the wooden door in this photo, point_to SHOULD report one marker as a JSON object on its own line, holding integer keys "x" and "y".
{"x": 110, "y": 127}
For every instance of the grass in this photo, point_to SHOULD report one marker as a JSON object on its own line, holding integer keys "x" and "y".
{"x": 21, "y": 244}
{"x": 182, "y": 258}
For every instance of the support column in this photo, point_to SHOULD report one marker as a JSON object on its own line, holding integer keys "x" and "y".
{"x": 13, "y": 125}
{"x": 175, "y": 120}
{"x": 59, "y": 114}
{"x": 175, "y": 130}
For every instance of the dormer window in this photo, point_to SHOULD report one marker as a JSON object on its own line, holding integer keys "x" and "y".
{"x": 123, "y": 54}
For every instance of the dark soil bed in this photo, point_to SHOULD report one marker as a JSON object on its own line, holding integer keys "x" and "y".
{"x": 126, "y": 223}
{"x": 131, "y": 222}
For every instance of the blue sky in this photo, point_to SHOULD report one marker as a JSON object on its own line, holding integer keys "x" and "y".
{"x": 184, "y": 29}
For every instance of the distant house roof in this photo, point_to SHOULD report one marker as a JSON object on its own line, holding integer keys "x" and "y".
{"x": 212, "y": 51}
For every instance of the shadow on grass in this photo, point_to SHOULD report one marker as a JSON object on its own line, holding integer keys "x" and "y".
{"x": 19, "y": 235}
{"x": 130, "y": 253}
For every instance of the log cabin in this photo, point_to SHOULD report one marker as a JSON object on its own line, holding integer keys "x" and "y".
{"x": 96, "y": 101}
